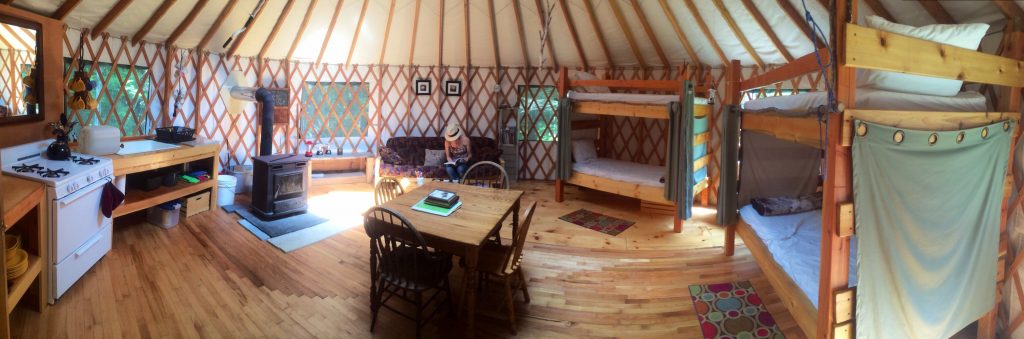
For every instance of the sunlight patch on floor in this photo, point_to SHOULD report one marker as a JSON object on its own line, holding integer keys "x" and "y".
{"x": 344, "y": 208}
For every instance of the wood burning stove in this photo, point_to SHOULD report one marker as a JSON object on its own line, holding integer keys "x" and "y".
{"x": 279, "y": 185}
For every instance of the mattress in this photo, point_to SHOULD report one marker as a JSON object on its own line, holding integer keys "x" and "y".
{"x": 795, "y": 243}
{"x": 877, "y": 99}
{"x": 631, "y": 98}
{"x": 625, "y": 171}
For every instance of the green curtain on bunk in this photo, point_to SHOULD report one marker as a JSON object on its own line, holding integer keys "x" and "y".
{"x": 564, "y": 162}
{"x": 727, "y": 164}
{"x": 679, "y": 162}
{"x": 927, "y": 222}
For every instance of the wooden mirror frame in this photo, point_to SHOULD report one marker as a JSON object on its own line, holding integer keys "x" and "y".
{"x": 39, "y": 88}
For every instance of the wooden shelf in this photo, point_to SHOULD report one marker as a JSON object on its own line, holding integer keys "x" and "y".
{"x": 19, "y": 196}
{"x": 137, "y": 200}
{"x": 20, "y": 285}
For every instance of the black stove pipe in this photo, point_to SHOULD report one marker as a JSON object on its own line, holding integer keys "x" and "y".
{"x": 266, "y": 99}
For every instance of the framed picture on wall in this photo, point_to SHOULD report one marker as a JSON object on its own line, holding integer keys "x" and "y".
{"x": 453, "y": 87}
{"x": 422, "y": 87}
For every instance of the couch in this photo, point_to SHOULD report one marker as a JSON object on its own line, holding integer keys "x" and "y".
{"x": 403, "y": 156}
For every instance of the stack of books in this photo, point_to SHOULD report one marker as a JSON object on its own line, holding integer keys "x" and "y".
{"x": 439, "y": 202}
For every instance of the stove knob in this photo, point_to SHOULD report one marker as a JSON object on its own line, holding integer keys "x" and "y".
{"x": 88, "y": 178}
{"x": 70, "y": 189}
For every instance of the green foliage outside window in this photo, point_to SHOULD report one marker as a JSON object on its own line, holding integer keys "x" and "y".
{"x": 337, "y": 107}
{"x": 130, "y": 93}
{"x": 538, "y": 113}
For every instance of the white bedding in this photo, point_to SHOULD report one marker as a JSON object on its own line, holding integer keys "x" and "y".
{"x": 795, "y": 243}
{"x": 630, "y": 98}
{"x": 630, "y": 172}
{"x": 876, "y": 99}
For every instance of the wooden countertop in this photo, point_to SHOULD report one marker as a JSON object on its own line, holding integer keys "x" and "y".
{"x": 19, "y": 196}
{"x": 139, "y": 162}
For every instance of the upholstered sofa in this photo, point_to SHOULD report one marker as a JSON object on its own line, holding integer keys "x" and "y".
{"x": 403, "y": 156}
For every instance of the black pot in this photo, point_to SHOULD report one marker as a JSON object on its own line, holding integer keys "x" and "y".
{"x": 58, "y": 150}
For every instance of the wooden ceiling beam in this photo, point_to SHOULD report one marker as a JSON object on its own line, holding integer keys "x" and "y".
{"x": 237, "y": 42}
{"x": 650, "y": 33}
{"x": 550, "y": 42}
{"x": 153, "y": 19}
{"x": 355, "y": 36}
{"x": 387, "y": 33}
{"x": 707, "y": 32}
{"x": 65, "y": 9}
{"x": 767, "y": 28}
{"x": 216, "y": 24}
{"x": 624, "y": 27}
{"x": 572, "y": 32}
{"x": 679, "y": 31}
{"x": 494, "y": 34}
{"x": 798, "y": 19}
{"x": 109, "y": 18}
{"x": 465, "y": 16}
{"x": 302, "y": 29}
{"x": 522, "y": 33}
{"x": 879, "y": 9}
{"x": 277, "y": 29}
{"x": 1009, "y": 9}
{"x": 185, "y": 23}
{"x": 330, "y": 31}
{"x": 937, "y": 12}
{"x": 440, "y": 36}
{"x": 737, "y": 32}
{"x": 415, "y": 29}
{"x": 597, "y": 30}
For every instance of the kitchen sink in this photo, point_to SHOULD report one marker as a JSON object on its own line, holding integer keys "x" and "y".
{"x": 143, "y": 146}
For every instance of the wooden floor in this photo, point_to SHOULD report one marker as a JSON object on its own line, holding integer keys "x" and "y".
{"x": 209, "y": 277}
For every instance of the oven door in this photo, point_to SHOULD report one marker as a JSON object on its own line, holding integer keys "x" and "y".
{"x": 289, "y": 185}
{"x": 75, "y": 219}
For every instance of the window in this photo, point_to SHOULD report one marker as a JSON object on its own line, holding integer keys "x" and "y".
{"x": 124, "y": 105}
{"x": 334, "y": 110}
{"x": 538, "y": 113}
{"x": 769, "y": 92}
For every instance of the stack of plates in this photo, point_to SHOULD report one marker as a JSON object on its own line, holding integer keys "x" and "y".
{"x": 17, "y": 258}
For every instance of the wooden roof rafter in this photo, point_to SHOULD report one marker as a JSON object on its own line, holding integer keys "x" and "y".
{"x": 277, "y": 29}
{"x": 216, "y": 24}
{"x": 522, "y": 32}
{"x": 415, "y": 30}
{"x": 330, "y": 30}
{"x": 241, "y": 36}
{"x": 153, "y": 19}
{"x": 387, "y": 32}
{"x": 624, "y": 27}
{"x": 937, "y": 12}
{"x": 879, "y": 9}
{"x": 679, "y": 31}
{"x": 650, "y": 33}
{"x": 494, "y": 33}
{"x": 572, "y": 32}
{"x": 1010, "y": 9}
{"x": 112, "y": 14}
{"x": 185, "y": 23}
{"x": 302, "y": 29}
{"x": 798, "y": 20}
{"x": 355, "y": 36}
{"x": 707, "y": 32}
{"x": 465, "y": 16}
{"x": 440, "y": 36}
{"x": 550, "y": 43}
{"x": 724, "y": 11}
{"x": 24, "y": 44}
{"x": 597, "y": 30}
{"x": 767, "y": 28}
{"x": 65, "y": 8}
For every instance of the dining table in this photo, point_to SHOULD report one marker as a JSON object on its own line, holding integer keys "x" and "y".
{"x": 464, "y": 232}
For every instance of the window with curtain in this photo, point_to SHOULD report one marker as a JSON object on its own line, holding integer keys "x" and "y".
{"x": 334, "y": 110}
{"x": 537, "y": 112}
{"x": 123, "y": 96}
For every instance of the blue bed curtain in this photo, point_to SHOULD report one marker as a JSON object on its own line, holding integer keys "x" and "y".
{"x": 927, "y": 220}
{"x": 564, "y": 161}
{"x": 679, "y": 180}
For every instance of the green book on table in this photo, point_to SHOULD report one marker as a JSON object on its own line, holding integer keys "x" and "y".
{"x": 423, "y": 206}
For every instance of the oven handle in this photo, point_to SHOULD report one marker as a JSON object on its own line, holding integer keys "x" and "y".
{"x": 82, "y": 192}
{"x": 88, "y": 245}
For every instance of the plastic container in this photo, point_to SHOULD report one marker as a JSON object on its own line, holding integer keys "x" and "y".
{"x": 243, "y": 176}
{"x": 226, "y": 190}
{"x": 165, "y": 215}
{"x": 99, "y": 140}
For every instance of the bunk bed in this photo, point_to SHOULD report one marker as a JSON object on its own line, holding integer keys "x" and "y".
{"x": 793, "y": 250}
{"x": 649, "y": 183}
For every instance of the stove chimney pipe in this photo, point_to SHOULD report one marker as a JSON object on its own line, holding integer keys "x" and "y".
{"x": 266, "y": 100}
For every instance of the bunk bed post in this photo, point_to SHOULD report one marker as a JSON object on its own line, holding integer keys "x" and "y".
{"x": 733, "y": 74}
{"x": 563, "y": 87}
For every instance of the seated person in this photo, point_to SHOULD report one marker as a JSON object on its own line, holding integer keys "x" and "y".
{"x": 456, "y": 150}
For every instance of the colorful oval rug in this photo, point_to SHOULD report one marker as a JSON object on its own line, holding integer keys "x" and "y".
{"x": 732, "y": 311}
{"x": 598, "y": 222}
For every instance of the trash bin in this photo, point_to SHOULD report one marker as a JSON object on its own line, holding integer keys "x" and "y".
{"x": 226, "y": 190}
{"x": 164, "y": 215}
{"x": 243, "y": 176}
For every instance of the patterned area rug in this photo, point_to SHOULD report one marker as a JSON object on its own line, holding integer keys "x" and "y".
{"x": 598, "y": 222}
{"x": 732, "y": 310}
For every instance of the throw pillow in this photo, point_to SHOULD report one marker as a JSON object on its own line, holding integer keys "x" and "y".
{"x": 584, "y": 150}
{"x": 434, "y": 157}
{"x": 964, "y": 35}
{"x": 782, "y": 206}
{"x": 389, "y": 156}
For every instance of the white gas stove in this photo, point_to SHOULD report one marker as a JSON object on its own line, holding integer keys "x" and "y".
{"x": 79, "y": 234}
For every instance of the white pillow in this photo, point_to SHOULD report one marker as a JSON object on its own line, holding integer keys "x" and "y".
{"x": 584, "y": 150}
{"x": 963, "y": 35}
{"x": 578, "y": 75}
{"x": 434, "y": 157}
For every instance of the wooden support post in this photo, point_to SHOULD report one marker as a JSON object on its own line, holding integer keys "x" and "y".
{"x": 559, "y": 190}
{"x": 677, "y": 224}
{"x": 732, "y": 97}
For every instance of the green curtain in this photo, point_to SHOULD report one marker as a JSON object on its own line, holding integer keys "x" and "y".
{"x": 679, "y": 162}
{"x": 564, "y": 162}
{"x": 927, "y": 221}
{"x": 727, "y": 164}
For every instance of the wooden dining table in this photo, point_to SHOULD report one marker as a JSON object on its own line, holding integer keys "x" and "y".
{"x": 465, "y": 231}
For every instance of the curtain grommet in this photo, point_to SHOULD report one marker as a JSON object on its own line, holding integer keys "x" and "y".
{"x": 898, "y": 137}
{"x": 932, "y": 139}
{"x": 960, "y": 137}
{"x": 1006, "y": 126}
{"x": 862, "y": 129}
{"x": 984, "y": 133}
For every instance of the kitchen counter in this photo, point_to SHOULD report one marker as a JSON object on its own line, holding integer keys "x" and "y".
{"x": 19, "y": 197}
{"x": 137, "y": 200}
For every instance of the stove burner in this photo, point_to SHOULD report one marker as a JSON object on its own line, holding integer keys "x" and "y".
{"x": 84, "y": 161}
{"x": 51, "y": 173}
{"x": 27, "y": 168}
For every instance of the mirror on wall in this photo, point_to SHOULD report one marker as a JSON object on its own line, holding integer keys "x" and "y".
{"x": 20, "y": 96}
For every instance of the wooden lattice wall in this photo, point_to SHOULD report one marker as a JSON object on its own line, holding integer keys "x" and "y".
{"x": 12, "y": 93}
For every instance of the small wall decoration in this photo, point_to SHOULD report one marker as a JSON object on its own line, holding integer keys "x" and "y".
{"x": 422, "y": 87}
{"x": 453, "y": 87}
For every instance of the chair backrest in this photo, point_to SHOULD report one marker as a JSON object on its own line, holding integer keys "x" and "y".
{"x": 513, "y": 260}
{"x": 388, "y": 188}
{"x": 487, "y": 174}
{"x": 397, "y": 249}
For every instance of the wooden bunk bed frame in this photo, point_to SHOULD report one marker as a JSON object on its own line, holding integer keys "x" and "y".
{"x": 649, "y": 195}
{"x": 861, "y": 47}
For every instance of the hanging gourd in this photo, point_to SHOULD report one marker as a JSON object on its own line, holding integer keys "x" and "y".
{"x": 30, "y": 85}
{"x": 81, "y": 88}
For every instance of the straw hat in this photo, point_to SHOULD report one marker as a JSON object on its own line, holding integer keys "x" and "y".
{"x": 452, "y": 132}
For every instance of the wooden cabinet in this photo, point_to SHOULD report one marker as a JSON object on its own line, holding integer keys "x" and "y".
{"x": 24, "y": 213}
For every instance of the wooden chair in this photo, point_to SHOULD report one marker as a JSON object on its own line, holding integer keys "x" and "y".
{"x": 502, "y": 262}
{"x": 402, "y": 266}
{"x": 476, "y": 175}
{"x": 387, "y": 188}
